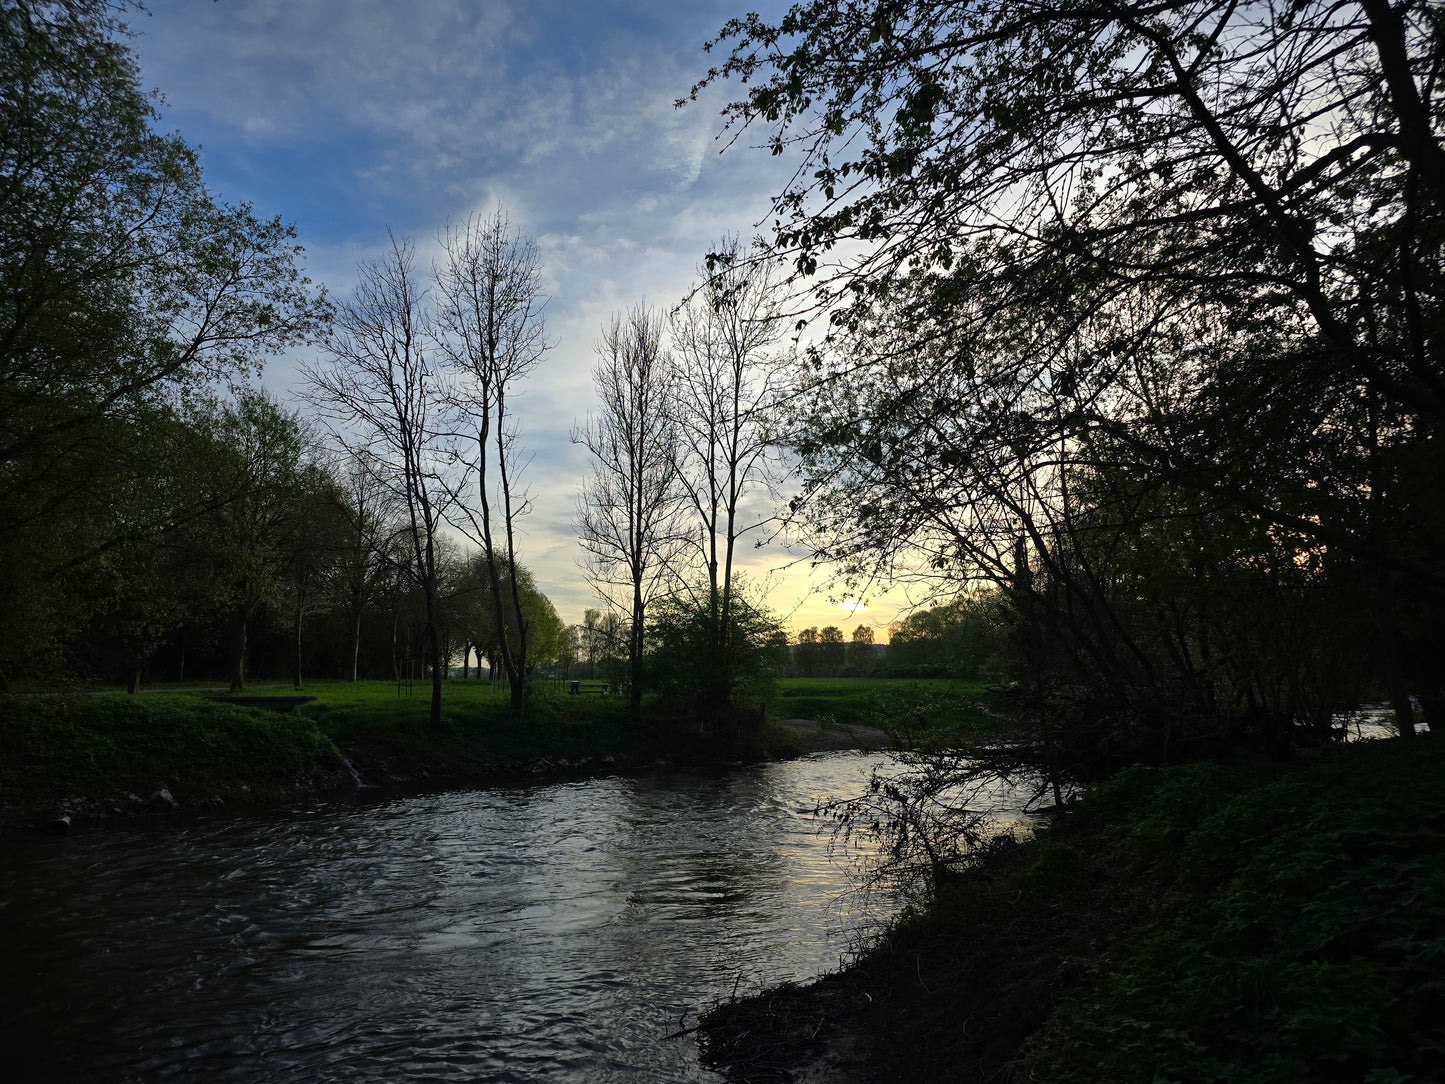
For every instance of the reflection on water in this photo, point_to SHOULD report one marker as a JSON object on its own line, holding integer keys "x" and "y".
{"x": 1375, "y": 721}
{"x": 549, "y": 933}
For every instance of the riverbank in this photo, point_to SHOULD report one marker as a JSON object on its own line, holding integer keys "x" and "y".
{"x": 1264, "y": 922}
{"x": 72, "y": 759}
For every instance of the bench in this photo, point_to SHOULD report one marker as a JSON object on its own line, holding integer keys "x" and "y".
{"x": 577, "y": 688}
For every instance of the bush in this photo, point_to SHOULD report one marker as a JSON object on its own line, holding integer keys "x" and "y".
{"x": 1303, "y": 939}
{"x": 693, "y": 666}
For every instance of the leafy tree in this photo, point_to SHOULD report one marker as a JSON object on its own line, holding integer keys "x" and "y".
{"x": 683, "y": 654}
{"x": 1194, "y": 246}
{"x": 831, "y": 650}
{"x": 962, "y": 638}
{"x": 265, "y": 485}
{"x": 316, "y": 549}
{"x": 591, "y": 637}
{"x": 807, "y": 658}
{"x": 474, "y": 614}
{"x": 123, "y": 284}
{"x": 367, "y": 553}
{"x": 861, "y": 657}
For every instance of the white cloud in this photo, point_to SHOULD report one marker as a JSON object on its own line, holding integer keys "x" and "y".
{"x": 351, "y": 115}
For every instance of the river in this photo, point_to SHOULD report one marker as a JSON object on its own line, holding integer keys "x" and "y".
{"x": 542, "y": 933}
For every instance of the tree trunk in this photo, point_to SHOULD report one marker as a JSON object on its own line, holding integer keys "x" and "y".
{"x": 1392, "y": 663}
{"x": 296, "y": 682}
{"x": 238, "y": 648}
{"x": 355, "y": 643}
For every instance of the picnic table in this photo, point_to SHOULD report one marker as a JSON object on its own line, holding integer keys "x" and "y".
{"x": 577, "y": 688}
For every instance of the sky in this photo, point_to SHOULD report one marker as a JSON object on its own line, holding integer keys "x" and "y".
{"x": 352, "y": 117}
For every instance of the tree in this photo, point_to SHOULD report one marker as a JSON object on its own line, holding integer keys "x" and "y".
{"x": 379, "y": 381}
{"x": 831, "y": 650}
{"x": 964, "y": 638}
{"x": 262, "y": 480}
{"x": 683, "y": 654}
{"x": 861, "y": 657}
{"x": 591, "y": 638}
{"x": 475, "y": 614}
{"x": 627, "y": 515}
{"x": 489, "y": 325}
{"x": 368, "y": 551}
{"x": 1196, "y": 243}
{"x": 807, "y": 657}
{"x": 316, "y": 550}
{"x": 123, "y": 282}
{"x": 723, "y": 376}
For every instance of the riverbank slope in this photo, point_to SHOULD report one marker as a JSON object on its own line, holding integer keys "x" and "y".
{"x": 70, "y": 759}
{"x": 1263, "y": 922}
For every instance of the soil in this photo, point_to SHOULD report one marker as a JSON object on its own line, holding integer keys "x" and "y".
{"x": 937, "y": 1003}
{"x": 817, "y": 737}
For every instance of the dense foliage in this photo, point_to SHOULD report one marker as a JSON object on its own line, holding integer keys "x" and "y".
{"x": 125, "y": 287}
{"x": 685, "y": 666}
{"x": 1298, "y": 948}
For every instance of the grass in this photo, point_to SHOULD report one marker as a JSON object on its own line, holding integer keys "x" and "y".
{"x": 88, "y": 755}
{"x": 387, "y": 735}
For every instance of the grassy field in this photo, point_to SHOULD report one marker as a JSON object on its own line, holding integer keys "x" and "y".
{"x": 386, "y": 734}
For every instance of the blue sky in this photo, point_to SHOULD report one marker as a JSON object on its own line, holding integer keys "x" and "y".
{"x": 347, "y": 117}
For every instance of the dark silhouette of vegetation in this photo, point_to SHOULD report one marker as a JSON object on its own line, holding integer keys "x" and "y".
{"x": 1135, "y": 316}
{"x": 685, "y": 669}
{"x": 124, "y": 286}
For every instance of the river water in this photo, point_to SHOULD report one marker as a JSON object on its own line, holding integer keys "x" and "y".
{"x": 545, "y": 933}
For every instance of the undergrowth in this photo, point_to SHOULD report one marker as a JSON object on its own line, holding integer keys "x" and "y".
{"x": 1298, "y": 930}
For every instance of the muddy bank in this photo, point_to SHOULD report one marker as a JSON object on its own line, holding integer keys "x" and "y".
{"x": 816, "y": 737}
{"x": 935, "y": 1001}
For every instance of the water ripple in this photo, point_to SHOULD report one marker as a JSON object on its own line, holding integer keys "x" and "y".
{"x": 550, "y": 933}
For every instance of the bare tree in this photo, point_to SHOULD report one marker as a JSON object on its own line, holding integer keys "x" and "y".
{"x": 370, "y": 510}
{"x": 725, "y": 342}
{"x": 489, "y": 326}
{"x": 628, "y": 509}
{"x": 379, "y": 383}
